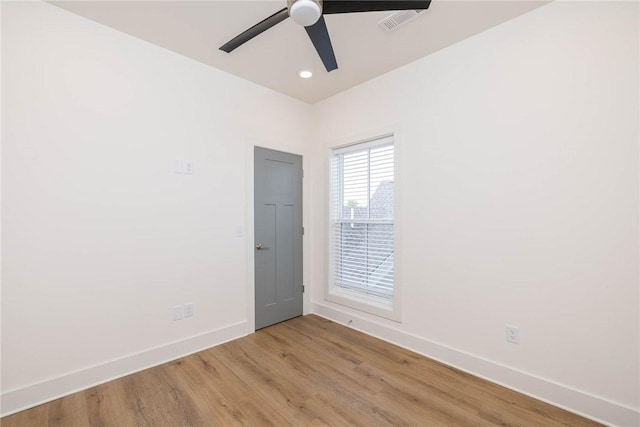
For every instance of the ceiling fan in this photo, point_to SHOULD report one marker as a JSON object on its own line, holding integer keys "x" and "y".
{"x": 309, "y": 13}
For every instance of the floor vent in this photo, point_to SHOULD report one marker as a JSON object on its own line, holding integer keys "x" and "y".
{"x": 394, "y": 21}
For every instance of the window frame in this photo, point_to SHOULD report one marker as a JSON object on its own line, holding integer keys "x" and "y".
{"x": 389, "y": 309}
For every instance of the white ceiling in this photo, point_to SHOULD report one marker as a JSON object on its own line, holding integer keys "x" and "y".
{"x": 197, "y": 29}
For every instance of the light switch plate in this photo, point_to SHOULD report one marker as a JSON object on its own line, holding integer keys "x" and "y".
{"x": 176, "y": 166}
{"x": 177, "y": 312}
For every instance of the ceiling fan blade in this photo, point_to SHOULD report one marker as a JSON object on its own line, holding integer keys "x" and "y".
{"x": 348, "y": 6}
{"x": 259, "y": 28}
{"x": 319, "y": 36}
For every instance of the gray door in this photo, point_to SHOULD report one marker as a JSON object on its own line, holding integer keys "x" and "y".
{"x": 278, "y": 234}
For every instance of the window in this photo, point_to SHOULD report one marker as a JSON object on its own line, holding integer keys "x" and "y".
{"x": 362, "y": 230}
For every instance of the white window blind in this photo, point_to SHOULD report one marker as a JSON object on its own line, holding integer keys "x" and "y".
{"x": 362, "y": 226}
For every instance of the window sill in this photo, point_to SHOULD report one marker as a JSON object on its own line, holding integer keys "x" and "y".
{"x": 368, "y": 304}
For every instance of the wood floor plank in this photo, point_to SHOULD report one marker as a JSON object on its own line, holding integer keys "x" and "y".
{"x": 68, "y": 411}
{"x": 241, "y": 398}
{"x": 37, "y": 416}
{"x": 105, "y": 405}
{"x": 307, "y": 371}
{"x": 266, "y": 379}
{"x": 193, "y": 374}
{"x": 356, "y": 389}
{"x": 321, "y": 359}
{"x": 155, "y": 400}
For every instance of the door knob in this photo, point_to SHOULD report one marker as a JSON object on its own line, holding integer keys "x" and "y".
{"x": 260, "y": 247}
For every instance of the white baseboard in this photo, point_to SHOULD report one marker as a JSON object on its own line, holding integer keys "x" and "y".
{"x": 576, "y": 401}
{"x": 35, "y": 394}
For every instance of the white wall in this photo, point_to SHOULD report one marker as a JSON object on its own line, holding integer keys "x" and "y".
{"x": 100, "y": 239}
{"x": 520, "y": 158}
{"x": 520, "y": 204}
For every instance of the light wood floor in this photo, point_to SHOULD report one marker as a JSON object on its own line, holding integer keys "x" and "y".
{"x": 306, "y": 371}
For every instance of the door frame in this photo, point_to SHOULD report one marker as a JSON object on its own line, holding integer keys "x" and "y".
{"x": 249, "y": 226}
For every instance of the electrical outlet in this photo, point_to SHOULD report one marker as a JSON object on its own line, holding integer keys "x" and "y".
{"x": 182, "y": 167}
{"x": 188, "y": 309}
{"x": 513, "y": 335}
{"x": 187, "y": 167}
{"x": 177, "y": 312}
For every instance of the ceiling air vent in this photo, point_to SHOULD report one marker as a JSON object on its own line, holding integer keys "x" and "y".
{"x": 394, "y": 21}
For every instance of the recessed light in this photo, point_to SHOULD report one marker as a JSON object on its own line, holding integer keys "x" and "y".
{"x": 305, "y": 74}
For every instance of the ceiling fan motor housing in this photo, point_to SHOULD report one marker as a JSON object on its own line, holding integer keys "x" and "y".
{"x": 305, "y": 12}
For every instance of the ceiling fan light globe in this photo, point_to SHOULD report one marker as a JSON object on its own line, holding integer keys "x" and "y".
{"x": 305, "y": 12}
